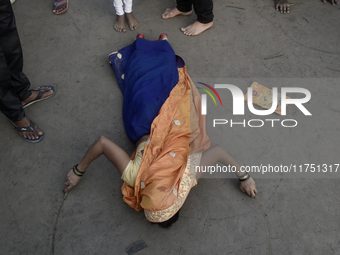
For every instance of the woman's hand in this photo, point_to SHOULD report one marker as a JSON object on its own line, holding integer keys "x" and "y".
{"x": 249, "y": 187}
{"x": 71, "y": 181}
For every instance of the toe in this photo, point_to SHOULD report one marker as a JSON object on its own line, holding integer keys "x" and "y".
{"x": 38, "y": 132}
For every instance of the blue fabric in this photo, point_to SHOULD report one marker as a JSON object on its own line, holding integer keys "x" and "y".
{"x": 146, "y": 72}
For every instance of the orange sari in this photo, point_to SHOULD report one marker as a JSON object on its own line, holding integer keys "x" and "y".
{"x": 175, "y": 144}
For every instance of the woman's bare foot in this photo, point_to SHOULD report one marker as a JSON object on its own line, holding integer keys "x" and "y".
{"x": 132, "y": 21}
{"x": 196, "y": 28}
{"x": 172, "y": 12}
{"x": 25, "y": 122}
{"x": 282, "y": 6}
{"x": 333, "y": 2}
{"x": 120, "y": 24}
{"x": 34, "y": 95}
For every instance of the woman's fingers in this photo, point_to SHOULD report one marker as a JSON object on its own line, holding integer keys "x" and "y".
{"x": 71, "y": 181}
{"x": 68, "y": 188}
{"x": 249, "y": 187}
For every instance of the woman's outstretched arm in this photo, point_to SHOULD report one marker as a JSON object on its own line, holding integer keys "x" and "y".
{"x": 218, "y": 153}
{"x": 117, "y": 156}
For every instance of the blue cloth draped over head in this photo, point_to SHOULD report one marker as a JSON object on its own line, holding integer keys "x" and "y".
{"x": 146, "y": 72}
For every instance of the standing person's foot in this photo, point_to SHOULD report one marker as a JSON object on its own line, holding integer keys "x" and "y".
{"x": 60, "y": 6}
{"x": 172, "y": 12}
{"x": 120, "y": 24}
{"x": 28, "y": 130}
{"x": 333, "y": 2}
{"x": 196, "y": 28}
{"x": 282, "y": 6}
{"x": 38, "y": 94}
{"x": 132, "y": 21}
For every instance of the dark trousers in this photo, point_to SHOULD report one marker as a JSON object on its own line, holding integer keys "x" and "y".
{"x": 202, "y": 8}
{"x": 14, "y": 84}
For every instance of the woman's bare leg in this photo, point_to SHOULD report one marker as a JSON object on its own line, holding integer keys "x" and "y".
{"x": 218, "y": 153}
{"x": 116, "y": 155}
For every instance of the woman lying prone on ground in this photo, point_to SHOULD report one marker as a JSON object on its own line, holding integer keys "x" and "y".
{"x": 162, "y": 116}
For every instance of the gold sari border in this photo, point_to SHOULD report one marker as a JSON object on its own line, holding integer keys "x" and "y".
{"x": 188, "y": 179}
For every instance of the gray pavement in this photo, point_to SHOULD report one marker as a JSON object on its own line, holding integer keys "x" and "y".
{"x": 288, "y": 216}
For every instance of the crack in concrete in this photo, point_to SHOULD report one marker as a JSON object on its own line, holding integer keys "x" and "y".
{"x": 56, "y": 223}
{"x": 306, "y": 46}
{"x": 269, "y": 244}
{"x": 273, "y": 192}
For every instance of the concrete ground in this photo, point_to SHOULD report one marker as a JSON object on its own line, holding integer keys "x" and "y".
{"x": 252, "y": 42}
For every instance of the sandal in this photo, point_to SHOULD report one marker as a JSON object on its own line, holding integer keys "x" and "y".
{"x": 31, "y": 128}
{"x": 39, "y": 96}
{"x": 57, "y": 4}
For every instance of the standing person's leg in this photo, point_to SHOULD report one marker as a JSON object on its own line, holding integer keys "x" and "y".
{"x": 12, "y": 59}
{"x": 13, "y": 83}
{"x": 205, "y": 16}
{"x": 132, "y": 21}
{"x": 12, "y": 52}
{"x": 10, "y": 105}
{"x": 120, "y": 20}
{"x": 204, "y": 10}
{"x": 184, "y": 7}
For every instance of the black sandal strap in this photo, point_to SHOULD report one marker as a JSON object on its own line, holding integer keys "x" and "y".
{"x": 31, "y": 128}
{"x": 40, "y": 94}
